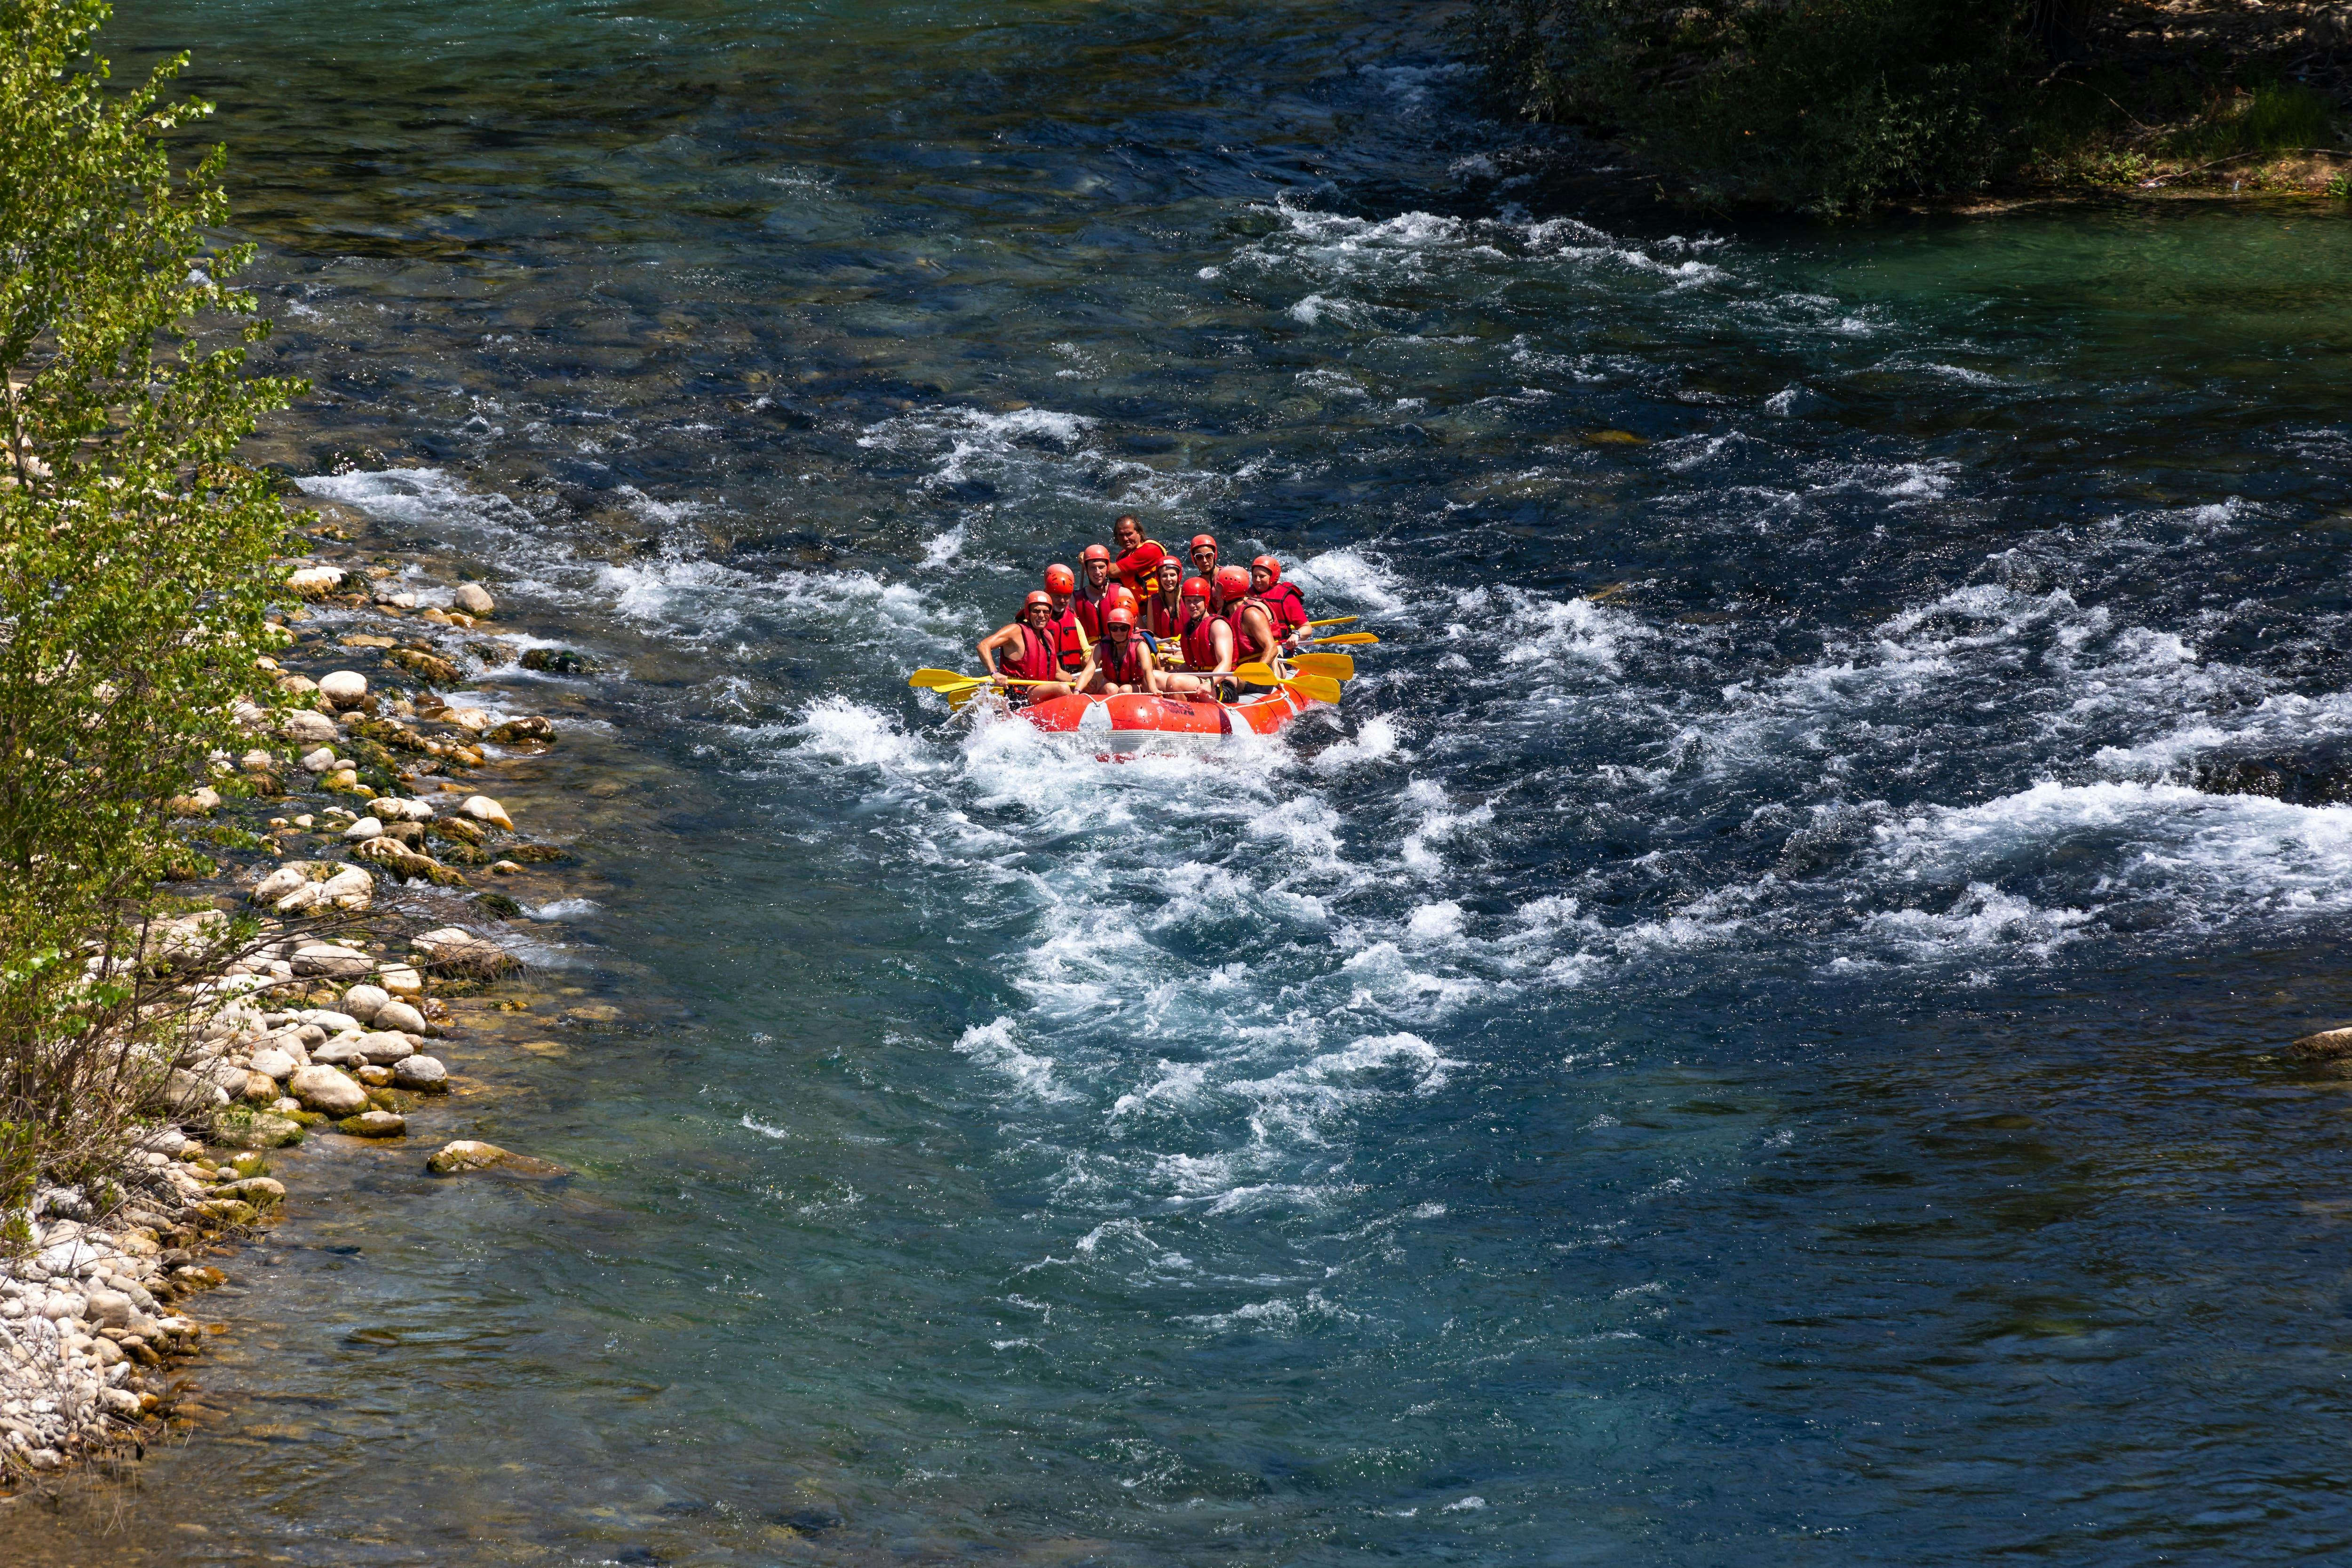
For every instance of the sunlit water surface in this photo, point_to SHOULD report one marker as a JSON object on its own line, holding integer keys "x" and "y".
{"x": 1736, "y": 1044}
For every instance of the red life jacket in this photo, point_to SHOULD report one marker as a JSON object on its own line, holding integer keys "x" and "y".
{"x": 1165, "y": 622}
{"x": 1035, "y": 661}
{"x": 1289, "y": 610}
{"x": 1139, "y": 567}
{"x": 1201, "y": 643}
{"x": 1069, "y": 642}
{"x": 1117, "y": 669}
{"x": 1243, "y": 651}
{"x": 1090, "y": 611}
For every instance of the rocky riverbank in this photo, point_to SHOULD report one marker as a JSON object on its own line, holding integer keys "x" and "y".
{"x": 360, "y": 828}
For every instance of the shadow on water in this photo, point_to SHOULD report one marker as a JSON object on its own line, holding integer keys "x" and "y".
{"x": 1735, "y": 1042}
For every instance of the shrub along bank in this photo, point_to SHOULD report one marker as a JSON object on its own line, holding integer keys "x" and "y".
{"x": 135, "y": 575}
{"x": 1835, "y": 107}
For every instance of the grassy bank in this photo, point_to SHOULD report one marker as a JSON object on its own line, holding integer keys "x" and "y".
{"x": 1838, "y": 107}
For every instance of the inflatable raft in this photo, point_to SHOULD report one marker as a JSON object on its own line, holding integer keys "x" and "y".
{"x": 1142, "y": 723}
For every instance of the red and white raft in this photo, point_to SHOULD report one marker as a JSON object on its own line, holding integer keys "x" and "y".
{"x": 1141, "y": 723}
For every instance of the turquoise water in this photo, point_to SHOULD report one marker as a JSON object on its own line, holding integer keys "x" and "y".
{"x": 1736, "y": 1043}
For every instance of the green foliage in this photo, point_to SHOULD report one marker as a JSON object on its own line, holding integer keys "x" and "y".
{"x": 135, "y": 552}
{"x": 1822, "y": 106}
{"x": 2271, "y": 117}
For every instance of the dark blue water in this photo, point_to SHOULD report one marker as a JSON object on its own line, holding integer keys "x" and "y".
{"x": 1736, "y": 1043}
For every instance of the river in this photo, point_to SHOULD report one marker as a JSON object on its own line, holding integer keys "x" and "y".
{"x": 1736, "y": 1043}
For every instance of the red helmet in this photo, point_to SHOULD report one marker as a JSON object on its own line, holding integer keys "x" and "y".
{"x": 1208, "y": 539}
{"x": 1038, "y": 599}
{"x": 1094, "y": 552}
{"x": 1272, "y": 568}
{"x": 1121, "y": 595}
{"x": 1060, "y": 579}
{"x": 1195, "y": 588}
{"x": 1233, "y": 583}
{"x": 1119, "y": 615}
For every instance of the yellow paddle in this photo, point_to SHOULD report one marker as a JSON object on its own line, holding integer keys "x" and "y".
{"x": 1348, "y": 639}
{"x": 948, "y": 681}
{"x": 1338, "y": 666}
{"x": 1336, "y": 621}
{"x": 1321, "y": 688}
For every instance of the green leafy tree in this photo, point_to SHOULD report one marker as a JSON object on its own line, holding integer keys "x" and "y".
{"x": 135, "y": 552}
{"x": 1822, "y": 106}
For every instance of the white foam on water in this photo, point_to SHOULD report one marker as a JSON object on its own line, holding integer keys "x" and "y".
{"x": 847, "y": 732}
{"x": 1357, "y": 579}
{"x": 563, "y": 910}
{"x": 995, "y": 1045}
{"x": 938, "y": 553}
{"x": 1378, "y": 742}
{"x": 1543, "y": 631}
{"x": 1439, "y": 922}
{"x": 1983, "y": 917}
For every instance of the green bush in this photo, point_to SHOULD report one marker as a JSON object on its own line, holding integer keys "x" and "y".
{"x": 2271, "y": 117}
{"x": 135, "y": 563}
{"x": 1823, "y": 105}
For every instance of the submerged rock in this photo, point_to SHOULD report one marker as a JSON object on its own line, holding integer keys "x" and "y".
{"x": 2326, "y": 1045}
{"x": 2317, "y": 774}
{"x": 261, "y": 1191}
{"x": 464, "y": 1155}
{"x": 373, "y": 1124}
{"x": 559, "y": 661}
{"x": 530, "y": 727}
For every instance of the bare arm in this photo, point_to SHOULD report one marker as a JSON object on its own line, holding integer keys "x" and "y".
{"x": 1220, "y": 637}
{"x": 1005, "y": 637}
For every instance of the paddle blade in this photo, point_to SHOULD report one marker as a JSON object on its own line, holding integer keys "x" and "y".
{"x": 1346, "y": 639}
{"x": 1338, "y": 666}
{"x": 1257, "y": 674}
{"x": 1321, "y": 688}
{"x": 939, "y": 679}
{"x": 1336, "y": 621}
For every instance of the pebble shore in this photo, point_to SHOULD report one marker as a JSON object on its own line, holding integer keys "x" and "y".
{"x": 352, "y": 825}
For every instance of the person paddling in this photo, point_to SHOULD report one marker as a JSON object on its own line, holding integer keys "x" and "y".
{"x": 1119, "y": 663}
{"x": 1094, "y": 589}
{"x": 1027, "y": 649}
{"x": 1282, "y": 599}
{"x": 1163, "y": 612}
{"x": 1062, "y": 614}
{"x": 1254, "y": 638}
{"x": 1138, "y": 561}
{"x": 1208, "y": 645}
